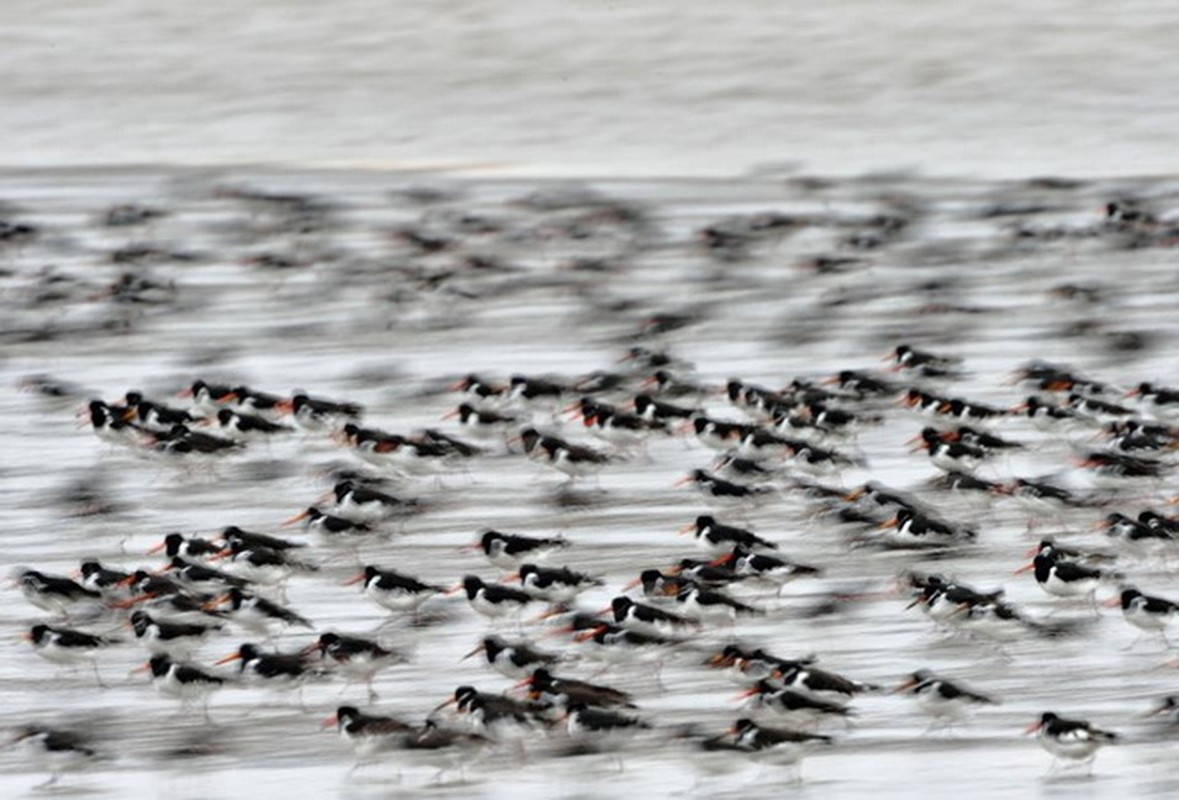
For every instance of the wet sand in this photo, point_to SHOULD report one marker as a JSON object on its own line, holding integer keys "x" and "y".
{"x": 998, "y": 273}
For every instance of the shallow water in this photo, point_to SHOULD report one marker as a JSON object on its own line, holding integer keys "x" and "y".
{"x": 1003, "y": 89}
{"x": 366, "y": 318}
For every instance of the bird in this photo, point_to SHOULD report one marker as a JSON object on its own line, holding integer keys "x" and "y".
{"x": 777, "y": 746}
{"x": 368, "y": 734}
{"x": 512, "y": 659}
{"x": 491, "y": 599}
{"x": 56, "y": 750}
{"x": 178, "y": 641}
{"x": 393, "y": 590}
{"x": 546, "y": 687}
{"x": 649, "y": 620}
{"x": 719, "y": 539}
{"x": 942, "y": 699}
{"x": 68, "y": 646}
{"x": 356, "y": 657}
{"x": 1148, "y": 613}
{"x": 575, "y": 461}
{"x": 54, "y": 593}
{"x": 257, "y": 614}
{"x": 508, "y": 551}
{"x": 1075, "y": 740}
{"x": 185, "y": 682}
{"x": 555, "y": 585}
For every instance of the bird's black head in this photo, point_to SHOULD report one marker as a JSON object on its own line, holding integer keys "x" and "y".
{"x": 529, "y": 436}
{"x": 160, "y": 665}
{"x": 489, "y": 537}
{"x": 37, "y": 633}
{"x": 743, "y": 725}
{"x": 225, "y": 416}
{"x": 346, "y": 714}
{"x": 526, "y": 570}
{"x": 463, "y": 695}
{"x": 326, "y": 640}
{"x": 472, "y": 584}
{"x": 620, "y": 605}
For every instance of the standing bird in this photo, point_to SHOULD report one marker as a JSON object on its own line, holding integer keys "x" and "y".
{"x": 945, "y": 701}
{"x": 512, "y": 659}
{"x": 67, "y": 646}
{"x": 778, "y": 746}
{"x": 1074, "y": 740}
{"x": 57, "y": 751}
{"x": 394, "y": 591}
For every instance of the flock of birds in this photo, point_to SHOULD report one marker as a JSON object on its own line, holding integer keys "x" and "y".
{"x": 793, "y": 453}
{"x": 795, "y": 441}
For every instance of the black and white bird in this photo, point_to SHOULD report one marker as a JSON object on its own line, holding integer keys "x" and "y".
{"x": 720, "y": 539}
{"x": 508, "y": 550}
{"x": 1074, "y": 740}
{"x": 777, "y": 746}
{"x": 393, "y": 590}
{"x": 493, "y": 600}
{"x": 947, "y": 702}
{"x": 68, "y": 646}
{"x": 55, "y": 750}
{"x": 555, "y": 585}
{"x": 54, "y": 593}
{"x": 512, "y": 659}
{"x": 185, "y": 682}
{"x": 178, "y": 641}
{"x": 1148, "y": 613}
{"x": 259, "y": 615}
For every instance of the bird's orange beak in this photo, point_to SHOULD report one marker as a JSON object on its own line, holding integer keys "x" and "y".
{"x": 331, "y": 721}
{"x": 215, "y": 602}
{"x": 1035, "y": 726}
{"x": 156, "y": 548}
{"x": 1025, "y": 568}
{"x": 354, "y": 580}
{"x": 482, "y": 648}
{"x": 297, "y": 518}
{"x": 227, "y": 659}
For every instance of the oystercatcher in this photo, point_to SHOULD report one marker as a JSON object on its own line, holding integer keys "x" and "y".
{"x": 950, "y": 456}
{"x": 54, "y": 593}
{"x": 483, "y": 423}
{"x": 187, "y": 683}
{"x": 722, "y": 491}
{"x": 546, "y": 687}
{"x": 772, "y": 569}
{"x": 1071, "y": 739}
{"x": 574, "y": 460}
{"x": 508, "y": 551}
{"x": 317, "y": 413}
{"x": 778, "y": 746}
{"x": 393, "y": 590}
{"x": 512, "y": 659}
{"x": 649, "y": 619}
{"x": 718, "y": 538}
{"x": 702, "y": 604}
{"x": 1147, "y": 613}
{"x": 358, "y": 658}
{"x": 178, "y": 641}
{"x": 793, "y": 704}
{"x": 329, "y": 526}
{"x": 598, "y": 727}
{"x": 912, "y": 529}
{"x": 368, "y": 734}
{"x": 942, "y": 699}
{"x": 257, "y": 614}
{"x": 493, "y": 600}
{"x": 1063, "y": 578}
{"x": 56, "y": 750}
{"x": 177, "y": 544}
{"x": 926, "y": 364}
{"x": 241, "y": 427}
{"x": 555, "y": 585}
{"x": 68, "y": 646}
